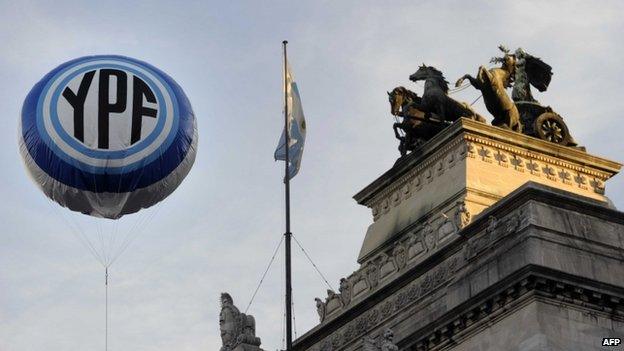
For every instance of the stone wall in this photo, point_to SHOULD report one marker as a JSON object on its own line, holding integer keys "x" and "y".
{"x": 540, "y": 270}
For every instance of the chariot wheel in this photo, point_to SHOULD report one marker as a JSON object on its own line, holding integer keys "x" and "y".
{"x": 550, "y": 126}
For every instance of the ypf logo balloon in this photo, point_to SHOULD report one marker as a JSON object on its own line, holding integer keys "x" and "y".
{"x": 110, "y": 133}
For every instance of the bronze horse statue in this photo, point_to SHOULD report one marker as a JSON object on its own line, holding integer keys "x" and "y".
{"x": 492, "y": 84}
{"x": 417, "y": 125}
{"x": 405, "y": 103}
{"x": 435, "y": 99}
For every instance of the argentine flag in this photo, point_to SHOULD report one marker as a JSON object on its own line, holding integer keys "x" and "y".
{"x": 296, "y": 128}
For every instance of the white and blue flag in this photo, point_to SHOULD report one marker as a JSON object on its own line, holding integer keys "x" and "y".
{"x": 296, "y": 128}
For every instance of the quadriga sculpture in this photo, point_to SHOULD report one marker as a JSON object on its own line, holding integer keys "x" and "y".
{"x": 435, "y": 99}
{"x": 416, "y": 125}
{"x": 492, "y": 84}
{"x": 423, "y": 117}
{"x": 521, "y": 112}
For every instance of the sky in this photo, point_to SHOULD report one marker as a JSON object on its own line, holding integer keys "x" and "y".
{"x": 219, "y": 229}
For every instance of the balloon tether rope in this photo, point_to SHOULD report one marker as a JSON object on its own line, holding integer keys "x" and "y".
{"x": 106, "y": 303}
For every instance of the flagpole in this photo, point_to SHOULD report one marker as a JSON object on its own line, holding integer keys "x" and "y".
{"x": 287, "y": 234}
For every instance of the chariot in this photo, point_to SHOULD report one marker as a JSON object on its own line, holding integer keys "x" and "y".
{"x": 542, "y": 122}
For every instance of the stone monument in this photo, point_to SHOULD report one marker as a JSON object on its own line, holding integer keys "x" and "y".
{"x": 483, "y": 237}
{"x": 238, "y": 330}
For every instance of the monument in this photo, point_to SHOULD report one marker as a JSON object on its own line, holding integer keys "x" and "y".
{"x": 483, "y": 237}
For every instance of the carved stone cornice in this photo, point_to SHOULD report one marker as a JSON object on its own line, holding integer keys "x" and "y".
{"x": 528, "y": 154}
{"x": 458, "y": 325}
{"x": 572, "y": 173}
{"x": 472, "y": 131}
{"x": 417, "y": 290}
{"x": 416, "y": 244}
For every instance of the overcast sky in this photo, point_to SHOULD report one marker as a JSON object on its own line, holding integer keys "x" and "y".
{"x": 218, "y": 230}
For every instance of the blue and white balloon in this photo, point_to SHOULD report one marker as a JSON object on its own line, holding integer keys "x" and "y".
{"x": 107, "y": 135}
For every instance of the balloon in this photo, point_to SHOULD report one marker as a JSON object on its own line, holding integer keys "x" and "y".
{"x": 107, "y": 135}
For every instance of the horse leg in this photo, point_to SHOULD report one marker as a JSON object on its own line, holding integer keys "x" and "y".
{"x": 402, "y": 146}
{"x": 473, "y": 81}
{"x": 396, "y": 127}
{"x": 442, "y": 111}
{"x": 514, "y": 119}
{"x": 485, "y": 77}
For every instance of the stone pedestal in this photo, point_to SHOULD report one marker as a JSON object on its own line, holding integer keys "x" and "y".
{"x": 472, "y": 164}
{"x": 484, "y": 240}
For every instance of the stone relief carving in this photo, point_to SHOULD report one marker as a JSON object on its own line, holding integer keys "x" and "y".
{"x": 386, "y": 265}
{"x": 429, "y": 235}
{"x": 585, "y": 226}
{"x": 383, "y": 343}
{"x": 565, "y": 177}
{"x": 491, "y": 225}
{"x": 581, "y": 181}
{"x": 333, "y": 302}
{"x": 485, "y": 153}
{"x": 416, "y": 246}
{"x": 372, "y": 274}
{"x": 502, "y": 159}
{"x": 549, "y": 172}
{"x": 598, "y": 186}
{"x": 469, "y": 150}
{"x": 462, "y": 216}
{"x": 360, "y": 284}
{"x": 495, "y": 229}
{"x": 533, "y": 167}
{"x": 400, "y": 255}
{"x": 518, "y": 163}
{"x": 345, "y": 291}
{"x": 446, "y": 229}
{"x": 513, "y": 223}
{"x": 408, "y": 295}
{"x": 526, "y": 217}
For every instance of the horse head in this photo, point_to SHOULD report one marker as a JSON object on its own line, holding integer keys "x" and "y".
{"x": 422, "y": 73}
{"x": 425, "y": 72}
{"x": 396, "y": 98}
